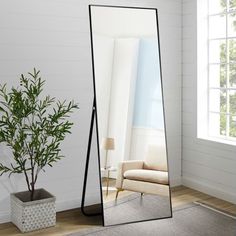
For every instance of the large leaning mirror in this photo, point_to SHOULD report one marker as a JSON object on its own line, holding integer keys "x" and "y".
{"x": 130, "y": 114}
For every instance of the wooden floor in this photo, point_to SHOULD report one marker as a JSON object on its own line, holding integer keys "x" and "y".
{"x": 73, "y": 220}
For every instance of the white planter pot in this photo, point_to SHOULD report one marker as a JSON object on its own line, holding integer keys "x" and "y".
{"x": 33, "y": 215}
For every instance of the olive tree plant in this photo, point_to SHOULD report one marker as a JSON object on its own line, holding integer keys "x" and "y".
{"x": 33, "y": 126}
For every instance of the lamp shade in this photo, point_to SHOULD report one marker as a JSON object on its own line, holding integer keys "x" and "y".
{"x": 108, "y": 144}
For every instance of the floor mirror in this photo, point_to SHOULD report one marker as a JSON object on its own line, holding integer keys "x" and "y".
{"x": 129, "y": 107}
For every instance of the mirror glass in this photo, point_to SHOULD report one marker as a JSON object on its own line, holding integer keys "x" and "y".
{"x": 130, "y": 114}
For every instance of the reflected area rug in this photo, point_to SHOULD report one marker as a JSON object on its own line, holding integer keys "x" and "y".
{"x": 135, "y": 208}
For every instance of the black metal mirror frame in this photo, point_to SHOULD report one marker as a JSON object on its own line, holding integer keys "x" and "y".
{"x": 94, "y": 119}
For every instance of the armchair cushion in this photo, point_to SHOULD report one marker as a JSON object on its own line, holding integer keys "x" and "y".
{"x": 124, "y": 166}
{"x": 153, "y": 176}
{"x": 156, "y": 158}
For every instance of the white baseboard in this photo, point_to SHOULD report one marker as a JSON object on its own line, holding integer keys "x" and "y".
{"x": 176, "y": 181}
{"x": 60, "y": 206}
{"x": 68, "y": 204}
{"x": 76, "y": 203}
{"x": 209, "y": 189}
{"x": 5, "y": 217}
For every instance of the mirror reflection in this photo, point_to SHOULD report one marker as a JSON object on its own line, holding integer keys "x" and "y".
{"x": 128, "y": 87}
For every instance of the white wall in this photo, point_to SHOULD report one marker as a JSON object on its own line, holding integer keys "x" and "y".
{"x": 54, "y": 37}
{"x": 141, "y": 138}
{"x": 103, "y": 48}
{"x": 124, "y": 75}
{"x": 207, "y": 166}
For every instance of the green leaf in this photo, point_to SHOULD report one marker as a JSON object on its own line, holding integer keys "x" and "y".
{"x": 32, "y": 125}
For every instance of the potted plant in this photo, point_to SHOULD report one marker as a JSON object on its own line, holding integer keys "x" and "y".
{"x": 33, "y": 127}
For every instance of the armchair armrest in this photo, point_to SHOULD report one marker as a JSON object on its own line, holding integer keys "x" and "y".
{"x": 124, "y": 166}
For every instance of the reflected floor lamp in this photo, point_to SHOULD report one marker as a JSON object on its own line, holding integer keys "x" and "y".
{"x": 107, "y": 144}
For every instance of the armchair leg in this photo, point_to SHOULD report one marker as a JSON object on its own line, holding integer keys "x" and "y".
{"x": 117, "y": 192}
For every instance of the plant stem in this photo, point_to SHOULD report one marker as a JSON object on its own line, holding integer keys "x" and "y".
{"x": 27, "y": 180}
{"x": 32, "y": 177}
{"x": 30, "y": 153}
{"x": 32, "y": 192}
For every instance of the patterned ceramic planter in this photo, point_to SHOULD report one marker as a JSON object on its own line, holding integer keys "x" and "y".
{"x": 33, "y": 215}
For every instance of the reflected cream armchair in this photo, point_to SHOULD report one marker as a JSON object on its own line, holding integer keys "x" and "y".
{"x": 148, "y": 176}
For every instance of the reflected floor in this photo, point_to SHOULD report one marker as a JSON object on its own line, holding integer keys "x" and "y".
{"x": 136, "y": 208}
{"x": 131, "y": 206}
